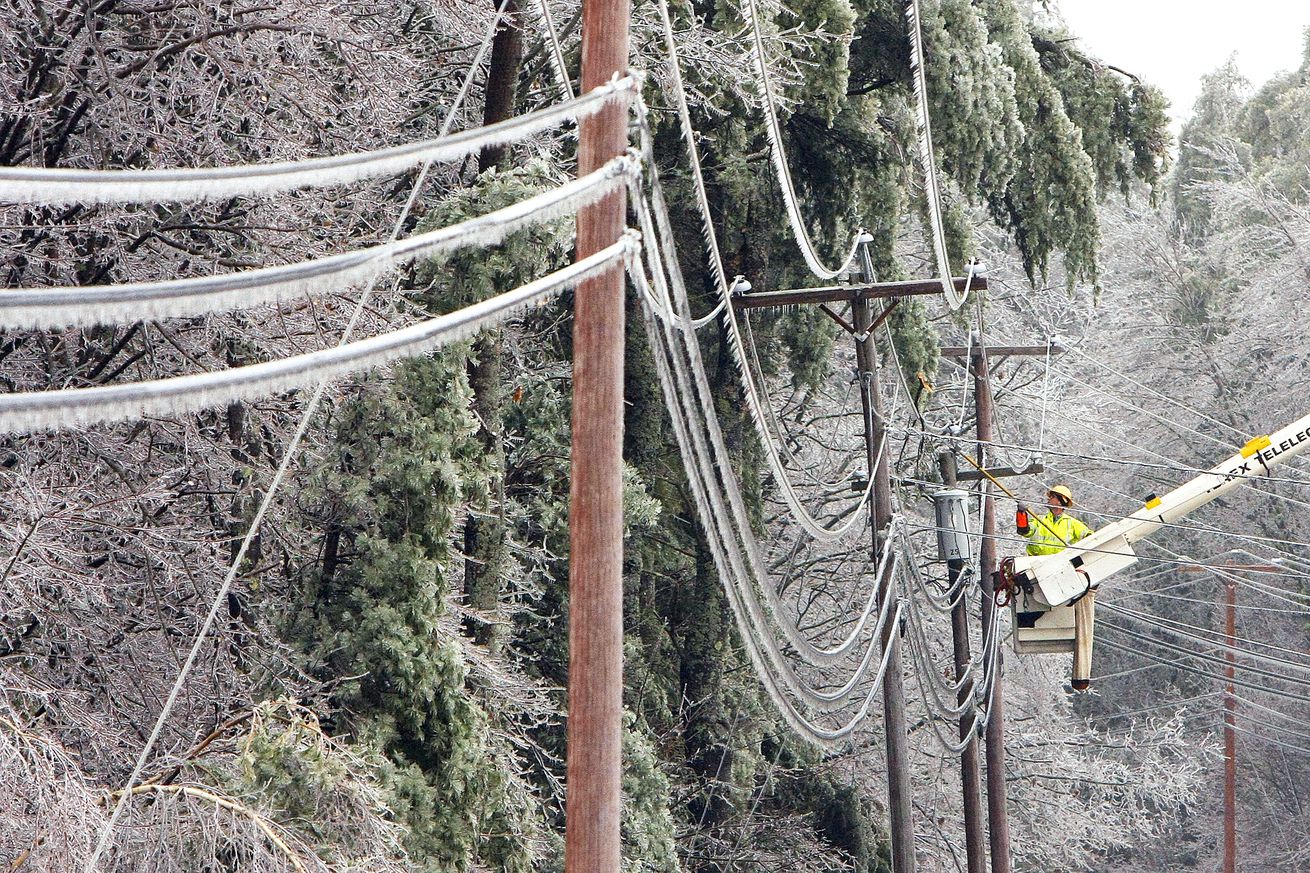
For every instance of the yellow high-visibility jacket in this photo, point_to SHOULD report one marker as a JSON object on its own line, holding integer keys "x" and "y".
{"x": 1046, "y": 532}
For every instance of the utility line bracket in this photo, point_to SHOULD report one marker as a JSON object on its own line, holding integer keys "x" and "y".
{"x": 1001, "y": 472}
{"x": 852, "y": 292}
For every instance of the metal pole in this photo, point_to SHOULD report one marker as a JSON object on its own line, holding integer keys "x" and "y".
{"x": 899, "y": 789}
{"x": 999, "y": 823}
{"x": 595, "y": 715}
{"x": 1230, "y": 735}
{"x": 970, "y": 775}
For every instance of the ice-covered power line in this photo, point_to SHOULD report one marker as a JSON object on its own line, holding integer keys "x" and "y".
{"x": 1274, "y": 712}
{"x": 1163, "y": 705}
{"x": 1170, "y": 464}
{"x": 1173, "y": 401}
{"x": 1241, "y": 645}
{"x": 1138, "y": 409}
{"x": 279, "y": 475}
{"x": 773, "y": 130}
{"x": 75, "y": 407}
{"x": 108, "y": 304}
{"x": 688, "y": 134}
{"x": 928, "y": 160}
{"x": 1291, "y": 747}
{"x": 558, "y": 65}
{"x": 762, "y": 651}
{"x": 724, "y": 510}
{"x": 1180, "y": 648}
{"x": 1136, "y": 649}
{"x": 56, "y": 185}
{"x": 768, "y": 439}
{"x": 1260, "y": 484}
{"x": 1249, "y": 607}
{"x": 719, "y": 503}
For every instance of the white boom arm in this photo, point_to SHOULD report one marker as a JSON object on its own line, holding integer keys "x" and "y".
{"x": 1056, "y": 580}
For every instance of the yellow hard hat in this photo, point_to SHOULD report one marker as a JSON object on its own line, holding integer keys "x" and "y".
{"x": 1065, "y": 493}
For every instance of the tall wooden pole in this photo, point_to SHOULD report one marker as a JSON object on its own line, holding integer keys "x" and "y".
{"x": 1230, "y": 736}
{"x": 997, "y": 816}
{"x": 595, "y": 716}
{"x": 899, "y": 788}
{"x": 970, "y": 774}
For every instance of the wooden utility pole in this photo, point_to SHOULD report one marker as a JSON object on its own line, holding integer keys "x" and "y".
{"x": 900, "y": 797}
{"x": 863, "y": 323}
{"x": 1230, "y": 734}
{"x": 970, "y": 775}
{"x": 997, "y": 816}
{"x": 978, "y": 361}
{"x": 1230, "y": 695}
{"x": 595, "y": 714}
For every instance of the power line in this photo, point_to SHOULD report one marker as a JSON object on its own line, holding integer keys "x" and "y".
{"x": 770, "y": 665}
{"x": 773, "y": 131}
{"x": 41, "y": 308}
{"x": 56, "y": 185}
{"x": 73, "y": 407}
{"x": 1165, "y": 705}
{"x": 1272, "y": 711}
{"x": 1305, "y": 683}
{"x": 1270, "y": 740}
{"x": 220, "y": 597}
{"x": 928, "y": 161}
{"x": 1163, "y": 396}
{"x": 1133, "y": 407}
{"x": 1253, "y": 482}
{"x": 737, "y": 345}
{"x": 1197, "y": 633}
{"x": 1189, "y": 668}
{"x": 1197, "y": 600}
{"x": 1172, "y": 465}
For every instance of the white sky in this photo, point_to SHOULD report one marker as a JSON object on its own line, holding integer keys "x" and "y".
{"x": 1173, "y": 43}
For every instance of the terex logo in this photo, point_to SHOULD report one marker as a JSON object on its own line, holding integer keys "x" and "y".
{"x": 1267, "y": 455}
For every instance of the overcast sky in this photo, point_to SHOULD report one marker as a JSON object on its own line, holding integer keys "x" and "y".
{"x": 1172, "y": 43}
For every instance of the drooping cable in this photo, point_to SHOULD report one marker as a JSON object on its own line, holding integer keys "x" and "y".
{"x": 804, "y": 517}
{"x": 178, "y": 395}
{"x": 220, "y": 596}
{"x": 755, "y": 638}
{"x": 1241, "y": 646}
{"x": 41, "y": 308}
{"x": 694, "y": 403}
{"x": 58, "y": 185}
{"x": 773, "y": 131}
{"x": 928, "y": 160}
{"x": 1136, "y": 649}
{"x": 710, "y": 447}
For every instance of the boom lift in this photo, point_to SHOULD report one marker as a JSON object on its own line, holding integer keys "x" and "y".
{"x": 1053, "y": 597}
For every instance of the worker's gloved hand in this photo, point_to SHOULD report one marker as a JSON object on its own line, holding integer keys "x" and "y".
{"x": 1022, "y": 517}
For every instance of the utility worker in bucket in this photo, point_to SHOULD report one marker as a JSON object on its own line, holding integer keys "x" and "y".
{"x": 1056, "y": 529}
